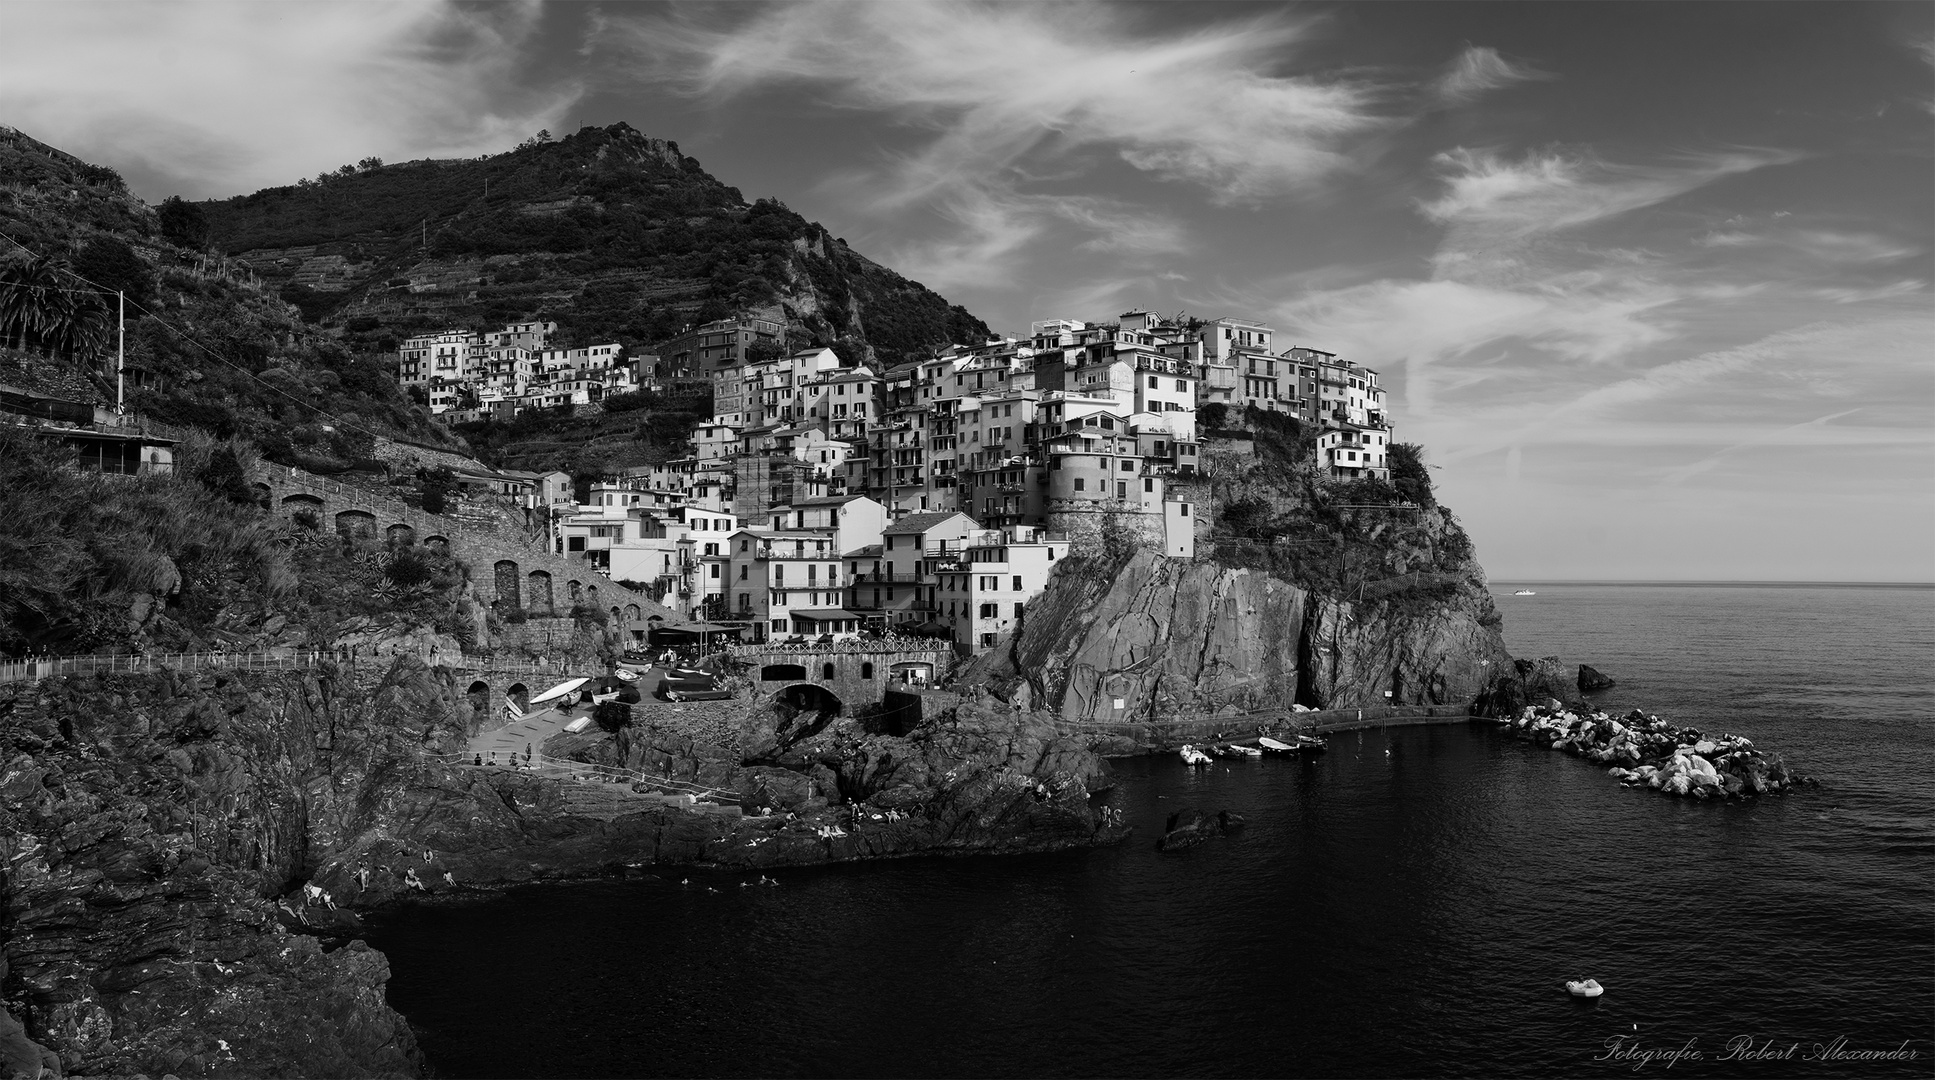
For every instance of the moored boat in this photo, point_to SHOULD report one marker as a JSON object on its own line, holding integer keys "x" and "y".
{"x": 1275, "y": 747}
{"x": 1585, "y": 988}
{"x": 1194, "y": 757}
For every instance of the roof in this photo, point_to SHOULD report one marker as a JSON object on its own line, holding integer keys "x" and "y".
{"x": 920, "y": 523}
{"x": 861, "y": 553}
{"x": 826, "y": 500}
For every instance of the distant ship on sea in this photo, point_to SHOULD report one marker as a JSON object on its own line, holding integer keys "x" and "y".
{"x": 1525, "y": 592}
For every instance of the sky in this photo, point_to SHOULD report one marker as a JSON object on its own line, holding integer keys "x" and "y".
{"x": 1649, "y": 282}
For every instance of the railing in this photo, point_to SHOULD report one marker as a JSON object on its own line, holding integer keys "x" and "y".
{"x": 35, "y": 669}
{"x": 887, "y": 579}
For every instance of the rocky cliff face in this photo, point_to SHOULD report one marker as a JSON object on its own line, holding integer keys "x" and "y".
{"x": 1159, "y": 638}
{"x": 178, "y": 847}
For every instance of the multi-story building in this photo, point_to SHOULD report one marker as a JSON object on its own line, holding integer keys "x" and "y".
{"x": 900, "y": 591}
{"x": 784, "y": 584}
{"x": 982, "y": 583}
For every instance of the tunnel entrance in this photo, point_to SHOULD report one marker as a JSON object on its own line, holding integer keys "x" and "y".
{"x": 811, "y": 697}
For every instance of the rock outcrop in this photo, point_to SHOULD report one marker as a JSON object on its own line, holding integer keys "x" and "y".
{"x": 1154, "y": 637}
{"x": 178, "y": 846}
{"x": 1591, "y": 679}
{"x": 1645, "y": 751}
{"x": 1188, "y": 828}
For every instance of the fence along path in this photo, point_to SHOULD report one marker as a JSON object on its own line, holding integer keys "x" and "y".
{"x": 35, "y": 669}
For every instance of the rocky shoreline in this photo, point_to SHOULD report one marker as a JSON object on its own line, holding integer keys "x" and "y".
{"x": 1646, "y": 751}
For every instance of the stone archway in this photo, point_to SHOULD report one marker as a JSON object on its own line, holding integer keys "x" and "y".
{"x": 438, "y": 544}
{"x": 782, "y": 672}
{"x": 616, "y": 615}
{"x": 577, "y": 590}
{"x": 400, "y": 535}
{"x": 357, "y": 523}
{"x": 508, "y": 591}
{"x": 519, "y": 695}
{"x": 631, "y": 613}
{"x": 479, "y": 695}
{"x": 811, "y": 697}
{"x": 304, "y": 508}
{"x": 542, "y": 602}
{"x": 263, "y": 496}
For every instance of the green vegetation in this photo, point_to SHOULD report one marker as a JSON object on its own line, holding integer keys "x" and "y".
{"x": 612, "y": 715}
{"x": 187, "y": 560}
{"x": 613, "y": 235}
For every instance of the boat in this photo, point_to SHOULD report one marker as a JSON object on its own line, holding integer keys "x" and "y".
{"x": 1246, "y": 751}
{"x": 1275, "y": 747}
{"x": 1584, "y": 988}
{"x": 1312, "y": 743}
{"x": 625, "y": 674}
{"x": 1525, "y": 592}
{"x": 1194, "y": 757}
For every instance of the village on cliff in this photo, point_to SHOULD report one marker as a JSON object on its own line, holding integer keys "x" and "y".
{"x": 825, "y": 498}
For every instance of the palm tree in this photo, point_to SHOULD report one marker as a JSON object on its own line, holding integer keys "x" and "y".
{"x": 43, "y": 306}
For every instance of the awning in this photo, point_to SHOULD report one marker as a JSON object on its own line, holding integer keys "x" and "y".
{"x": 824, "y": 614}
{"x": 560, "y": 690}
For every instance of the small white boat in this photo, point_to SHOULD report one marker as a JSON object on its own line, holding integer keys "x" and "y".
{"x": 1247, "y": 751}
{"x": 1585, "y": 988}
{"x": 1194, "y": 757}
{"x": 626, "y": 674}
{"x": 1525, "y": 592}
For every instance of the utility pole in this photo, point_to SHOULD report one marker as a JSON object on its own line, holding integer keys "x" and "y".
{"x": 120, "y": 349}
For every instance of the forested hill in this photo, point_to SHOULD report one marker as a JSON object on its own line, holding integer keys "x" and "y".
{"x": 614, "y": 235}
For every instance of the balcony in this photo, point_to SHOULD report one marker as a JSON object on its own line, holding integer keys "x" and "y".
{"x": 886, "y": 579}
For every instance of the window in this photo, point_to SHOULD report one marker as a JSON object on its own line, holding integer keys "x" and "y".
{"x": 1080, "y": 484}
{"x": 866, "y": 669}
{"x": 988, "y": 610}
{"x": 1127, "y": 465}
{"x": 826, "y": 672}
{"x": 1182, "y": 385}
{"x": 1018, "y": 611}
{"x": 742, "y": 572}
{"x": 1148, "y": 483}
{"x": 1122, "y": 490}
{"x": 1185, "y": 511}
{"x": 1017, "y": 583}
{"x": 1154, "y": 383}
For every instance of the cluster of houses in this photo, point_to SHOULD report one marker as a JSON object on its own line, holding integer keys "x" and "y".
{"x": 467, "y": 375}
{"x": 934, "y": 496}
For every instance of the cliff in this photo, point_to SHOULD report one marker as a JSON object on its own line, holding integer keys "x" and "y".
{"x": 185, "y": 853}
{"x": 1154, "y": 638}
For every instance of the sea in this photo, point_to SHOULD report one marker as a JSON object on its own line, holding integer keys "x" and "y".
{"x": 1408, "y": 903}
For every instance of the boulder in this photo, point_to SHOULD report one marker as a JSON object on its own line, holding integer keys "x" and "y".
{"x": 1591, "y": 678}
{"x": 1188, "y": 828}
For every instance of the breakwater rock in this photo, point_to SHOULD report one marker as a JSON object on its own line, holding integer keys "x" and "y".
{"x": 1646, "y": 751}
{"x": 1154, "y": 638}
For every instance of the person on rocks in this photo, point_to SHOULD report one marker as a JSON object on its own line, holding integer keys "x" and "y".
{"x": 479, "y": 761}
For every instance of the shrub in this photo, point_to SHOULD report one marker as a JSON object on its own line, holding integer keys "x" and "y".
{"x": 612, "y": 715}
{"x": 1409, "y": 475}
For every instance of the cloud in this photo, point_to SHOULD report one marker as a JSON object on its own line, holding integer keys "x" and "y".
{"x": 211, "y": 99}
{"x": 1549, "y": 191}
{"x": 999, "y": 83}
{"x": 1477, "y": 70}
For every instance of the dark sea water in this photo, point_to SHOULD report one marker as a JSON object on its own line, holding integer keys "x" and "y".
{"x": 1405, "y": 905}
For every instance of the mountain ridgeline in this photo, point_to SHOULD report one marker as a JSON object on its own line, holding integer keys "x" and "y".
{"x": 614, "y": 235}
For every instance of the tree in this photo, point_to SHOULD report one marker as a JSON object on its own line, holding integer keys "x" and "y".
{"x": 370, "y": 164}
{"x": 612, "y": 715}
{"x": 183, "y": 222}
{"x": 44, "y": 306}
{"x": 438, "y": 483}
{"x": 114, "y": 267}
{"x": 1409, "y": 474}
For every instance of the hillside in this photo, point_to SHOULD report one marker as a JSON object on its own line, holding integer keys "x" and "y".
{"x": 614, "y": 235}
{"x": 208, "y": 344}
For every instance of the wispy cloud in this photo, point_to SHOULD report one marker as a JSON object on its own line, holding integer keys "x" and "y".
{"x": 1477, "y": 70}
{"x": 1548, "y": 191}
{"x": 1001, "y": 108}
{"x": 208, "y": 99}
{"x": 998, "y": 82}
